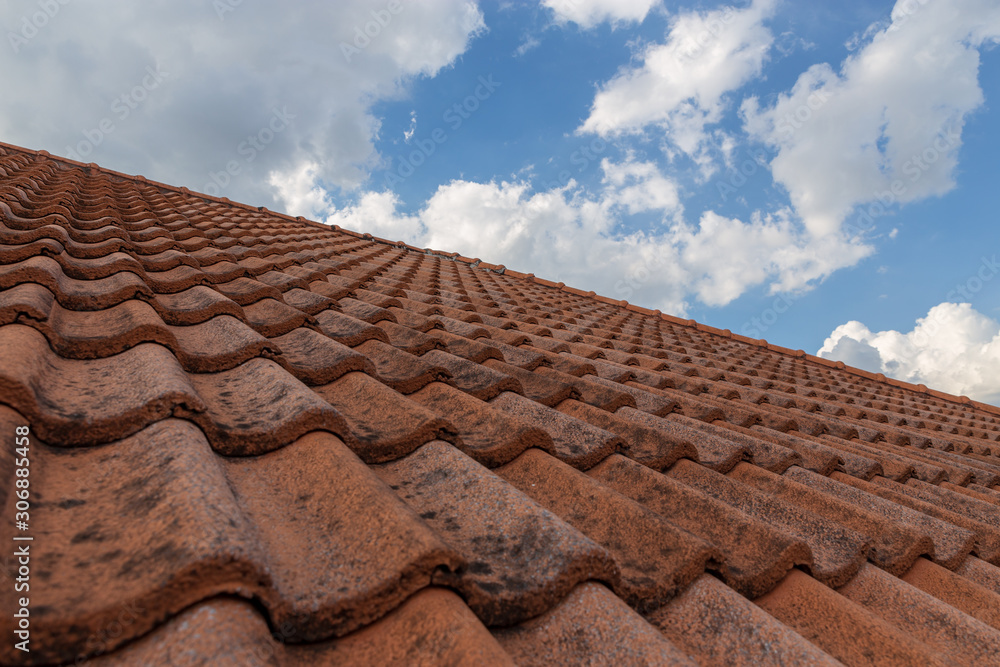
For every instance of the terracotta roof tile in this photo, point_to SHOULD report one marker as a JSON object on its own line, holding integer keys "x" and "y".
{"x": 845, "y": 630}
{"x": 540, "y": 388}
{"x": 838, "y": 550}
{"x": 195, "y": 305}
{"x": 640, "y": 442}
{"x": 591, "y": 621}
{"x": 404, "y": 372}
{"x": 521, "y": 559}
{"x": 571, "y": 440}
{"x": 964, "y": 595}
{"x": 604, "y": 396}
{"x": 406, "y": 455}
{"x": 489, "y": 435}
{"x": 893, "y": 547}
{"x": 348, "y": 331}
{"x": 472, "y": 350}
{"x": 475, "y": 379}
{"x": 955, "y": 635}
{"x": 74, "y": 293}
{"x": 656, "y": 559}
{"x": 987, "y": 540}
{"x": 432, "y": 626}
{"x": 383, "y": 423}
{"x": 716, "y": 625}
{"x": 316, "y": 359}
{"x": 981, "y": 573}
{"x": 755, "y": 556}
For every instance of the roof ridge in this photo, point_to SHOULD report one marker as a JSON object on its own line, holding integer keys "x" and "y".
{"x": 560, "y": 286}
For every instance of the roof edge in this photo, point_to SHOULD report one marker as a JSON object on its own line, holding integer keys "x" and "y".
{"x": 500, "y": 268}
{"x": 761, "y": 342}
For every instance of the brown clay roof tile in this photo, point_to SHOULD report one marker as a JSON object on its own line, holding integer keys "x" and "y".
{"x": 955, "y": 635}
{"x": 754, "y": 555}
{"x": 715, "y": 625}
{"x": 489, "y": 435}
{"x": 258, "y": 439}
{"x": 656, "y": 559}
{"x": 845, "y": 630}
{"x": 590, "y": 621}
{"x": 520, "y": 558}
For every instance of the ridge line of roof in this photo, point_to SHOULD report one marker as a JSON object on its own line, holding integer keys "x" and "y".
{"x": 560, "y": 286}
{"x": 761, "y": 342}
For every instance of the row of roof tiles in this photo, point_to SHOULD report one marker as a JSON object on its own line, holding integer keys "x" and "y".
{"x": 206, "y": 204}
{"x": 392, "y": 452}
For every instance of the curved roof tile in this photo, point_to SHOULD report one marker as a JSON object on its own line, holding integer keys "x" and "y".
{"x": 257, "y": 438}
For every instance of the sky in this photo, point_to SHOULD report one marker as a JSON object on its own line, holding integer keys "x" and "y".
{"x": 822, "y": 175}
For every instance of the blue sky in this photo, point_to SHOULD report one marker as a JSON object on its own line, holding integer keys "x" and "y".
{"x": 713, "y": 160}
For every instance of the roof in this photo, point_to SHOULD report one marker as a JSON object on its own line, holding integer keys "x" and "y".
{"x": 256, "y": 439}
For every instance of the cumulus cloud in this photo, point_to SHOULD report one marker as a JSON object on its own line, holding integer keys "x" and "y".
{"x": 226, "y": 68}
{"x": 954, "y": 348}
{"x": 726, "y": 256}
{"x": 589, "y": 13}
{"x": 639, "y": 186}
{"x": 886, "y": 128}
{"x": 288, "y": 121}
{"x": 681, "y": 85}
{"x": 298, "y": 189}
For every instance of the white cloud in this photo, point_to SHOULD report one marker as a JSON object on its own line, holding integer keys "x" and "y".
{"x": 681, "y": 85}
{"x": 527, "y": 45}
{"x": 408, "y": 134}
{"x": 726, "y": 256}
{"x": 892, "y": 115}
{"x": 327, "y": 64}
{"x": 299, "y": 191}
{"x": 888, "y": 125}
{"x": 376, "y": 214}
{"x": 639, "y": 186}
{"x": 954, "y": 349}
{"x": 589, "y": 13}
